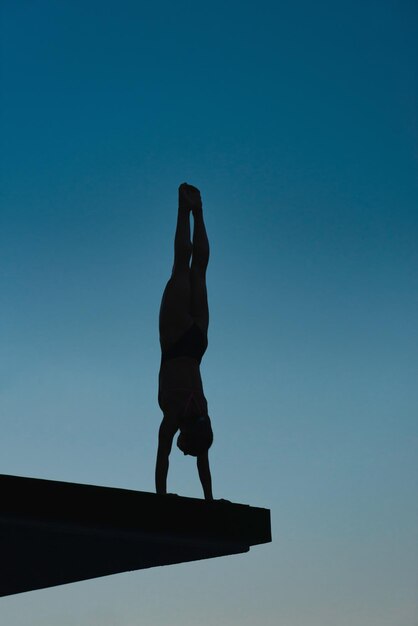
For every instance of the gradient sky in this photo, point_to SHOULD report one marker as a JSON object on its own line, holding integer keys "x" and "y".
{"x": 298, "y": 121}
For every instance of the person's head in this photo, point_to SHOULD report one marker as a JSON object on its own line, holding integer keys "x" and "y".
{"x": 195, "y": 436}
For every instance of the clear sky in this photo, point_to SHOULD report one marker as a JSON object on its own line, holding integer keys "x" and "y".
{"x": 298, "y": 121}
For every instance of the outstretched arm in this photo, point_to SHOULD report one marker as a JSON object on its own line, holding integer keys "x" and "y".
{"x": 165, "y": 441}
{"x": 204, "y": 475}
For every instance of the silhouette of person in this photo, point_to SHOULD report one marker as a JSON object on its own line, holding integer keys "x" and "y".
{"x": 183, "y": 326}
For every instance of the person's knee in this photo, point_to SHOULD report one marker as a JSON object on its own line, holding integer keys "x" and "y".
{"x": 182, "y": 253}
{"x": 198, "y": 272}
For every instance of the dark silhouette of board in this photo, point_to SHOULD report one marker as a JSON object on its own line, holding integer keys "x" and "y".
{"x": 52, "y": 533}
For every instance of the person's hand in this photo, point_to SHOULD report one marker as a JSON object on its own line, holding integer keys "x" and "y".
{"x": 189, "y": 197}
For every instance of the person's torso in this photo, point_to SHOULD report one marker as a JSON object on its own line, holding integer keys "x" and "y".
{"x": 180, "y": 373}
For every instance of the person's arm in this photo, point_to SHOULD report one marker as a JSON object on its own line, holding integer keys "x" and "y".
{"x": 204, "y": 475}
{"x": 165, "y": 441}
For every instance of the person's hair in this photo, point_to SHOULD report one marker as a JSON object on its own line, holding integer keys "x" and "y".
{"x": 196, "y": 437}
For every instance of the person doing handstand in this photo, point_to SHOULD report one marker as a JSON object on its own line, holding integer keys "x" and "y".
{"x": 183, "y": 327}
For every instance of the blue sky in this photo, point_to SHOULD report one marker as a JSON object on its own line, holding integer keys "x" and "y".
{"x": 298, "y": 122}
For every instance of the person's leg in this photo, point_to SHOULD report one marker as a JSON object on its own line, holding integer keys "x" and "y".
{"x": 176, "y": 301}
{"x": 200, "y": 259}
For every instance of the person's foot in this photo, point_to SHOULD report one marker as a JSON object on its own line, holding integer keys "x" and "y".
{"x": 189, "y": 198}
{"x": 183, "y": 204}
